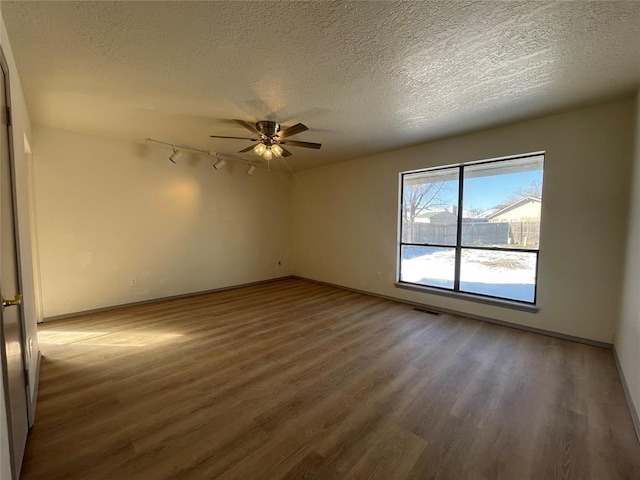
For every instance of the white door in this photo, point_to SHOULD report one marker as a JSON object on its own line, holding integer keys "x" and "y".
{"x": 12, "y": 345}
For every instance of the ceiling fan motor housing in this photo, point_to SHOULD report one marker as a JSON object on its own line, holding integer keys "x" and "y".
{"x": 267, "y": 128}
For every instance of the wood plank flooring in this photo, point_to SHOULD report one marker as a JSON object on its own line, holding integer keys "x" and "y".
{"x": 293, "y": 380}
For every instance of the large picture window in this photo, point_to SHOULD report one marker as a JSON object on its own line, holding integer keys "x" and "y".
{"x": 473, "y": 228}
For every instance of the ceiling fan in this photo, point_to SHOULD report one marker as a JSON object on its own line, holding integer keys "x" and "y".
{"x": 272, "y": 138}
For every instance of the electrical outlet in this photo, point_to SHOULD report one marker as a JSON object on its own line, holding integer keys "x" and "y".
{"x": 379, "y": 276}
{"x": 279, "y": 263}
{"x": 134, "y": 281}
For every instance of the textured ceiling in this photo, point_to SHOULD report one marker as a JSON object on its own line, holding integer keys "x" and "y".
{"x": 363, "y": 76}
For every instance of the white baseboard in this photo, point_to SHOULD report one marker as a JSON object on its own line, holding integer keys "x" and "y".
{"x": 627, "y": 393}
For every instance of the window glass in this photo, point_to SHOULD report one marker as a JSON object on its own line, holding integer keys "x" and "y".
{"x": 499, "y": 273}
{"x": 429, "y": 266}
{"x": 499, "y": 222}
{"x": 430, "y": 207}
{"x": 502, "y": 204}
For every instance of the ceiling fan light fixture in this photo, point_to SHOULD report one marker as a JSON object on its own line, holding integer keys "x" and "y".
{"x": 259, "y": 149}
{"x": 277, "y": 150}
{"x": 268, "y": 135}
{"x": 251, "y": 169}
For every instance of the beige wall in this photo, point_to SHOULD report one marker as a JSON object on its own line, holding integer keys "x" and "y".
{"x": 109, "y": 211}
{"x": 21, "y": 130}
{"x": 345, "y": 217}
{"x": 627, "y": 339}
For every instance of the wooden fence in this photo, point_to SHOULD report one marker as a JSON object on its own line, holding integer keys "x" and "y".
{"x": 486, "y": 234}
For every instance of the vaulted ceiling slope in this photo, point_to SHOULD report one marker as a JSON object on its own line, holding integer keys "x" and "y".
{"x": 363, "y": 76}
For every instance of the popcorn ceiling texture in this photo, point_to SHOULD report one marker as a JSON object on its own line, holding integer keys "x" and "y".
{"x": 364, "y": 76}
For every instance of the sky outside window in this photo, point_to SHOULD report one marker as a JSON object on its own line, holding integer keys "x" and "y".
{"x": 486, "y": 192}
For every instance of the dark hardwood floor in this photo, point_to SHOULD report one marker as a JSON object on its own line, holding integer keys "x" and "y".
{"x": 294, "y": 380}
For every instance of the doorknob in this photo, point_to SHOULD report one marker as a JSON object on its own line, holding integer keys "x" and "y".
{"x": 16, "y": 301}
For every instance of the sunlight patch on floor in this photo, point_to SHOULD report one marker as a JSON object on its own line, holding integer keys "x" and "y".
{"x": 107, "y": 339}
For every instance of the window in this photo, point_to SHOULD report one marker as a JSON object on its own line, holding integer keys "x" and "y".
{"x": 473, "y": 228}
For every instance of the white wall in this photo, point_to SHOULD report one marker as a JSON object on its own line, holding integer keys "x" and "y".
{"x": 109, "y": 211}
{"x": 627, "y": 339}
{"x": 345, "y": 217}
{"x": 21, "y": 130}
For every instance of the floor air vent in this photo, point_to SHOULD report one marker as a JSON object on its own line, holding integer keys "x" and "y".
{"x": 424, "y": 310}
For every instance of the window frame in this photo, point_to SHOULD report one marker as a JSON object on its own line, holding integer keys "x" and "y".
{"x": 459, "y": 247}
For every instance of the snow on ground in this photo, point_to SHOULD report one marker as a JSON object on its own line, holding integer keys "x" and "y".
{"x": 437, "y": 266}
{"x": 498, "y": 267}
{"x": 484, "y": 266}
{"x": 496, "y": 273}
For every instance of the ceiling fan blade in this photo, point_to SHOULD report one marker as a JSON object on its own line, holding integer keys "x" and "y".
{"x": 285, "y": 152}
{"x": 237, "y": 138}
{"x": 294, "y": 143}
{"x": 297, "y": 128}
{"x": 249, "y": 127}
{"x": 246, "y": 149}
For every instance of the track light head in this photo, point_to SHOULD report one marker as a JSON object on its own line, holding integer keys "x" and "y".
{"x": 219, "y": 163}
{"x": 175, "y": 156}
{"x": 251, "y": 169}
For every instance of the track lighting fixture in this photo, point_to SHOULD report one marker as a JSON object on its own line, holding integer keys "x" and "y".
{"x": 219, "y": 163}
{"x": 175, "y": 156}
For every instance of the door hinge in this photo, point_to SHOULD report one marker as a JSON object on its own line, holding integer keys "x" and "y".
{"x": 26, "y": 377}
{"x": 9, "y": 116}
